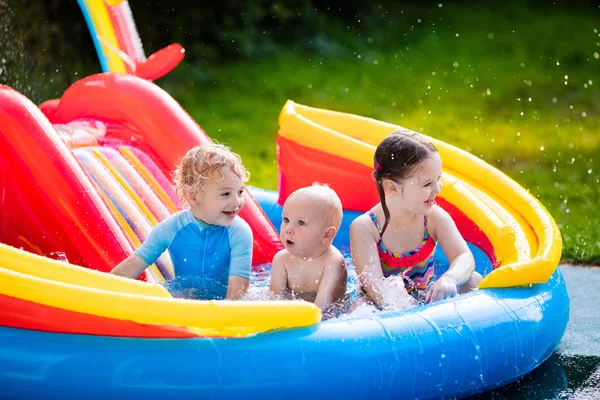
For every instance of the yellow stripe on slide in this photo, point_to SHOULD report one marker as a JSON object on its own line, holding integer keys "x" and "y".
{"x": 113, "y": 3}
{"x": 210, "y": 318}
{"x": 152, "y": 182}
{"x": 354, "y": 138}
{"x": 132, "y": 194}
{"x": 105, "y": 32}
{"x": 41, "y": 267}
{"x": 153, "y": 272}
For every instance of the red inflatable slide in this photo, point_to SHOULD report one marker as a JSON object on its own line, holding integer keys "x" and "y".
{"x": 86, "y": 177}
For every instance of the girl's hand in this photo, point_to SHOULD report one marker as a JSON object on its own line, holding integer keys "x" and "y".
{"x": 395, "y": 295}
{"x": 443, "y": 288}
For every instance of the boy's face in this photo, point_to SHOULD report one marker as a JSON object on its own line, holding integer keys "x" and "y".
{"x": 304, "y": 231}
{"x": 221, "y": 198}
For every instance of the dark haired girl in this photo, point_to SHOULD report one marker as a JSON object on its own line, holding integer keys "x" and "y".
{"x": 397, "y": 238}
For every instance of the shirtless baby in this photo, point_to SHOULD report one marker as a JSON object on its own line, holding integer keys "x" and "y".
{"x": 309, "y": 267}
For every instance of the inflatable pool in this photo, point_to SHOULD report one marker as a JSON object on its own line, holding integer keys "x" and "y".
{"x": 79, "y": 333}
{"x": 85, "y": 177}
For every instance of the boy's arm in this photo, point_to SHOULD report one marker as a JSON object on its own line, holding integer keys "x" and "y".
{"x": 155, "y": 244}
{"x": 240, "y": 265}
{"x": 237, "y": 286}
{"x": 278, "y": 273}
{"x": 335, "y": 275}
{"x": 131, "y": 267}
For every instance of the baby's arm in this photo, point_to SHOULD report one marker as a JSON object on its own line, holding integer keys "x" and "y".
{"x": 334, "y": 280}
{"x": 459, "y": 255}
{"x": 363, "y": 244}
{"x": 131, "y": 267}
{"x": 278, "y": 273}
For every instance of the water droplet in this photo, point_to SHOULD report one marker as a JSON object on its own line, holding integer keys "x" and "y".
{"x": 589, "y": 171}
{"x": 455, "y": 64}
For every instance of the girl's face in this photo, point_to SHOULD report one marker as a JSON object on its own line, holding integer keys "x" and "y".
{"x": 416, "y": 194}
{"x": 220, "y": 199}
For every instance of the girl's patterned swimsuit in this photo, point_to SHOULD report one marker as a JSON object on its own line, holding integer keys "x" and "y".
{"x": 416, "y": 267}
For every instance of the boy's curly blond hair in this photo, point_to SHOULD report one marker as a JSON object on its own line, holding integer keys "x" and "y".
{"x": 200, "y": 163}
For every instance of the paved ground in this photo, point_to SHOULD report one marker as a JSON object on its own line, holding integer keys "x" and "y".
{"x": 572, "y": 372}
{"x": 582, "y": 337}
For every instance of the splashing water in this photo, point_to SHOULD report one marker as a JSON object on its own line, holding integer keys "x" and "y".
{"x": 393, "y": 290}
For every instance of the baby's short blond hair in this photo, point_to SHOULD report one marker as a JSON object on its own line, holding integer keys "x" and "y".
{"x": 331, "y": 203}
{"x": 200, "y": 163}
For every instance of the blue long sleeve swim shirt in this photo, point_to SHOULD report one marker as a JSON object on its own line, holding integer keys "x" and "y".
{"x": 203, "y": 255}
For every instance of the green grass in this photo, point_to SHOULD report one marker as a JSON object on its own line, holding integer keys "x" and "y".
{"x": 497, "y": 90}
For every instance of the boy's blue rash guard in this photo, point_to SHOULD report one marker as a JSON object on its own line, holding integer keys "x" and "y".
{"x": 203, "y": 255}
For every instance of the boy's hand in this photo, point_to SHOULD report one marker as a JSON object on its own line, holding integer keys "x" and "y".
{"x": 443, "y": 288}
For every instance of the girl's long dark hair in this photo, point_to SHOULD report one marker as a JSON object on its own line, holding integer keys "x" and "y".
{"x": 396, "y": 158}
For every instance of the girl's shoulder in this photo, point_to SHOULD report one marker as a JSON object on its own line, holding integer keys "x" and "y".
{"x": 364, "y": 224}
{"x": 438, "y": 217}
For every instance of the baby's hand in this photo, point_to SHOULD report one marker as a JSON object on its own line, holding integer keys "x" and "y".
{"x": 443, "y": 288}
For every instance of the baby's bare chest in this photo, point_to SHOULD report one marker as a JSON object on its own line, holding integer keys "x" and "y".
{"x": 304, "y": 278}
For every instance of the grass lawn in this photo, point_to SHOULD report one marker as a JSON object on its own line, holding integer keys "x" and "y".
{"x": 522, "y": 95}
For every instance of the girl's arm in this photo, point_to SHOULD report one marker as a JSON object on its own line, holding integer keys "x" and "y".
{"x": 335, "y": 275}
{"x": 459, "y": 255}
{"x": 131, "y": 267}
{"x": 363, "y": 245}
{"x": 278, "y": 273}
